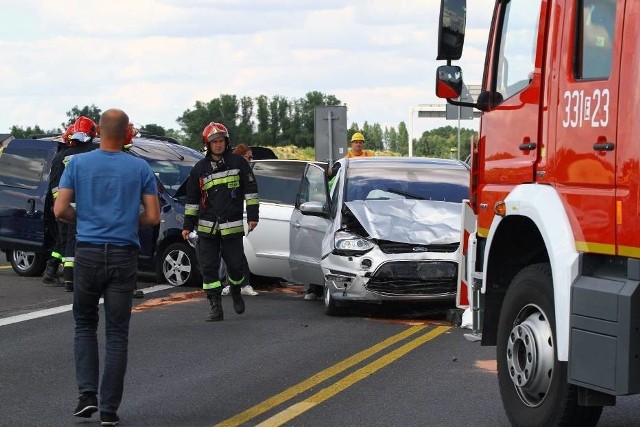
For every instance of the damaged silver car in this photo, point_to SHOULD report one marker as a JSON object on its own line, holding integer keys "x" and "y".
{"x": 382, "y": 229}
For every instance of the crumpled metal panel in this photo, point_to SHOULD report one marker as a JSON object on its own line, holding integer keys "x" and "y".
{"x": 420, "y": 222}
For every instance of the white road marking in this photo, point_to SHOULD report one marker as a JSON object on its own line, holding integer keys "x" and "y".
{"x": 64, "y": 308}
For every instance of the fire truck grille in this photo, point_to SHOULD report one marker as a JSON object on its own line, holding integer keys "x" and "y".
{"x": 414, "y": 278}
{"x": 402, "y": 248}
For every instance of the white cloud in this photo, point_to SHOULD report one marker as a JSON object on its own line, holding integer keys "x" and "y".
{"x": 156, "y": 58}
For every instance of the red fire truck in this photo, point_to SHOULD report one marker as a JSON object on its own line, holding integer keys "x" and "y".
{"x": 551, "y": 248}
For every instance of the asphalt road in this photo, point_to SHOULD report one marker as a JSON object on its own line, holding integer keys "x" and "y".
{"x": 283, "y": 362}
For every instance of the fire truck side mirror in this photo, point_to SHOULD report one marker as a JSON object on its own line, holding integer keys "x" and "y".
{"x": 488, "y": 100}
{"x": 453, "y": 17}
{"x": 448, "y": 81}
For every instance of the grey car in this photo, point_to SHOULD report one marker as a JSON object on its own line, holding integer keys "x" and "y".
{"x": 383, "y": 229}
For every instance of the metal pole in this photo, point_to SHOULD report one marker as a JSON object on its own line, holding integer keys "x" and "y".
{"x": 329, "y": 119}
{"x": 411, "y": 136}
{"x": 459, "y": 111}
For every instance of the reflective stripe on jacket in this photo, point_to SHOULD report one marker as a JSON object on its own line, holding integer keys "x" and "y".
{"x": 216, "y": 192}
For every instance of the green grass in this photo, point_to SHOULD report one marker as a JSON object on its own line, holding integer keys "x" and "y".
{"x": 308, "y": 153}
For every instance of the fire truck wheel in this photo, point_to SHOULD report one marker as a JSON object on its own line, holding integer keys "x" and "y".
{"x": 533, "y": 383}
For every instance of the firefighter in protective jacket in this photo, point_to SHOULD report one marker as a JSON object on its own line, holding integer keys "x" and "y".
{"x": 79, "y": 139}
{"x": 218, "y": 187}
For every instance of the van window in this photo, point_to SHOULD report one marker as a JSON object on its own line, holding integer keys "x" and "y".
{"x": 278, "y": 181}
{"x": 21, "y": 167}
{"x": 596, "y": 21}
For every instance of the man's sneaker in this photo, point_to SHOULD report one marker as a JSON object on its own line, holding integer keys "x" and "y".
{"x": 225, "y": 290}
{"x": 137, "y": 293}
{"x": 87, "y": 405}
{"x": 108, "y": 419}
{"x": 311, "y": 296}
{"x": 248, "y": 290}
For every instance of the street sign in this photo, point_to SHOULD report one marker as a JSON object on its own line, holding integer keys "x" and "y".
{"x": 330, "y": 132}
{"x": 454, "y": 112}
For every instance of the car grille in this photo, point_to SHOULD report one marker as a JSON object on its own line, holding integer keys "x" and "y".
{"x": 402, "y": 248}
{"x": 414, "y": 278}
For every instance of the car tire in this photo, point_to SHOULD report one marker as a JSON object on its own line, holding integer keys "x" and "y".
{"x": 330, "y": 307}
{"x": 533, "y": 382}
{"x": 28, "y": 264}
{"x": 178, "y": 266}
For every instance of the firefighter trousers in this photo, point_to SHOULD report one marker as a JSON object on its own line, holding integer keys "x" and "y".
{"x": 69, "y": 253}
{"x": 209, "y": 251}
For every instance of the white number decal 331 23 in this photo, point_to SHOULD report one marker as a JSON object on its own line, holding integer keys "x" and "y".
{"x": 586, "y": 110}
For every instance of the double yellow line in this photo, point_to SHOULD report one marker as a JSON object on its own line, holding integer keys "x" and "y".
{"x": 298, "y": 408}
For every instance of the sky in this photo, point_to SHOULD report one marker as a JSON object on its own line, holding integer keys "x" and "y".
{"x": 155, "y": 58}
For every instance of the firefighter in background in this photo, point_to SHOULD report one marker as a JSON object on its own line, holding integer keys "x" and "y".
{"x": 217, "y": 189}
{"x": 50, "y": 276}
{"x": 80, "y": 141}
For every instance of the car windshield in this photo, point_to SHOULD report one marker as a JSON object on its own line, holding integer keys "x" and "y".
{"x": 171, "y": 173}
{"x": 421, "y": 183}
{"x": 171, "y": 163}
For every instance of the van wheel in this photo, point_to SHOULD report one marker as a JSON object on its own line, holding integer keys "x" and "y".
{"x": 29, "y": 264}
{"x": 533, "y": 382}
{"x": 330, "y": 307}
{"x": 178, "y": 266}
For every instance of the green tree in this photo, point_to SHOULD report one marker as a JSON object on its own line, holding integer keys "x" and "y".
{"x": 280, "y": 122}
{"x": 20, "y": 132}
{"x": 222, "y": 110}
{"x": 391, "y": 139}
{"x": 154, "y": 129}
{"x": 403, "y": 139}
{"x": 263, "y": 115}
{"x": 91, "y": 111}
{"x": 244, "y": 133}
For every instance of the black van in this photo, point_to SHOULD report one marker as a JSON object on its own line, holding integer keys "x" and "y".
{"x": 27, "y": 225}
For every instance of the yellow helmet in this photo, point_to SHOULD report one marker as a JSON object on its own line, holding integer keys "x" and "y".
{"x": 357, "y": 137}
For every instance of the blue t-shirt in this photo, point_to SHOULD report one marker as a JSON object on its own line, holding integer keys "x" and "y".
{"x": 108, "y": 188}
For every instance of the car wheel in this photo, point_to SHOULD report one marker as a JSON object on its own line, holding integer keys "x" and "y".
{"x": 178, "y": 266}
{"x": 330, "y": 307}
{"x": 28, "y": 264}
{"x": 533, "y": 383}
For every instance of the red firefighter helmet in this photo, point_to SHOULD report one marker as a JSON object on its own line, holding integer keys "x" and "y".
{"x": 131, "y": 133}
{"x": 214, "y": 130}
{"x": 84, "y": 129}
{"x": 66, "y": 136}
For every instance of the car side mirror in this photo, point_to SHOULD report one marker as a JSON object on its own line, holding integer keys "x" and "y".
{"x": 313, "y": 209}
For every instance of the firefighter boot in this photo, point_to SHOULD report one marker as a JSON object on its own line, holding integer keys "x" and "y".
{"x": 216, "y": 314}
{"x": 50, "y": 276}
{"x": 238, "y": 302}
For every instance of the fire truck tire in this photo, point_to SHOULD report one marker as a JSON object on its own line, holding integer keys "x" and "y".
{"x": 533, "y": 383}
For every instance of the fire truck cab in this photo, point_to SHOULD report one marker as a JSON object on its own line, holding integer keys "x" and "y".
{"x": 551, "y": 248}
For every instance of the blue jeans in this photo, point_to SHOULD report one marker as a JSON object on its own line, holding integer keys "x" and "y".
{"x": 107, "y": 271}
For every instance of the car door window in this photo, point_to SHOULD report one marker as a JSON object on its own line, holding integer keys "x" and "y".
{"x": 21, "y": 167}
{"x": 313, "y": 186}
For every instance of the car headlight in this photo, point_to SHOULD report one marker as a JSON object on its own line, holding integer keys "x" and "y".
{"x": 349, "y": 243}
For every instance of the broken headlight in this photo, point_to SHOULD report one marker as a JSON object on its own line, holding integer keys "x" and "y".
{"x": 351, "y": 244}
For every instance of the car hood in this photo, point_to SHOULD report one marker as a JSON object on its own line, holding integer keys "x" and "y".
{"x": 420, "y": 222}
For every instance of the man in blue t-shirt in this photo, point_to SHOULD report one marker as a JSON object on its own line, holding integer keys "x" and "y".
{"x": 108, "y": 186}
